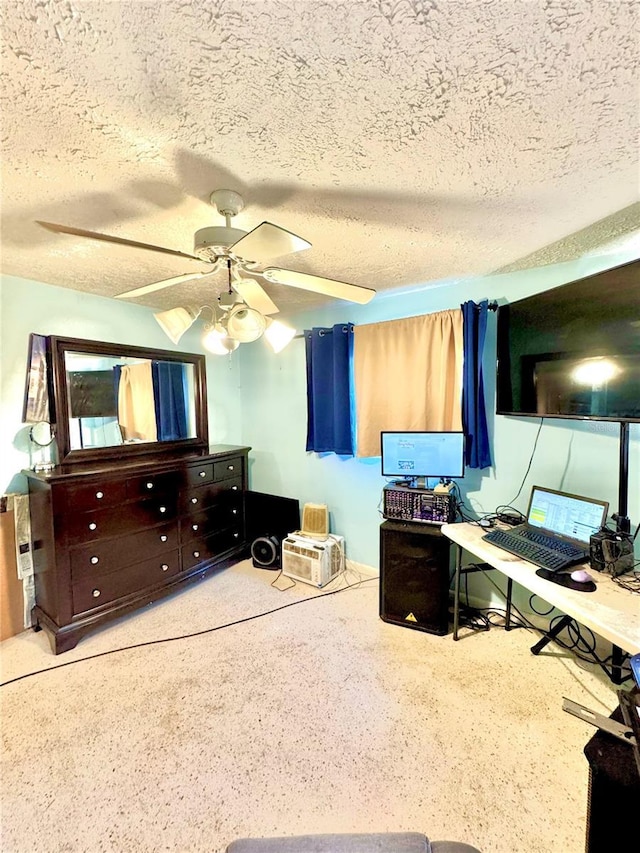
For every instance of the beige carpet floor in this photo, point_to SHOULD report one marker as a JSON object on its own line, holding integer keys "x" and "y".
{"x": 319, "y": 717}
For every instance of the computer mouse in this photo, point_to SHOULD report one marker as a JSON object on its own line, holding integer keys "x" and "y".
{"x": 580, "y": 576}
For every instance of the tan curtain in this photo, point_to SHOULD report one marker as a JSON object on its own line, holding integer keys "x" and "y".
{"x": 408, "y": 376}
{"x": 136, "y": 407}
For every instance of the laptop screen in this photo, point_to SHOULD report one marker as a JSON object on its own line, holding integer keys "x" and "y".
{"x": 566, "y": 515}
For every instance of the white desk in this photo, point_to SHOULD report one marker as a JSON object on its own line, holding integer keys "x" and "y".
{"x": 611, "y": 612}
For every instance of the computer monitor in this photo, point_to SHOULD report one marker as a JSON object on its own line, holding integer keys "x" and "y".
{"x": 413, "y": 455}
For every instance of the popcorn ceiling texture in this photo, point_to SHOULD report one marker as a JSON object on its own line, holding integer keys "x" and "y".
{"x": 407, "y": 141}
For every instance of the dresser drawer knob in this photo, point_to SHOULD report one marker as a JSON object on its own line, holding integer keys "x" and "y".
{"x": 92, "y": 525}
{"x": 196, "y": 553}
{"x": 195, "y": 526}
{"x": 235, "y": 535}
{"x": 149, "y": 485}
{"x": 163, "y": 537}
{"x": 163, "y": 509}
{"x": 99, "y": 495}
{"x": 202, "y": 473}
{"x": 94, "y": 560}
{"x": 234, "y": 512}
{"x": 230, "y": 467}
{"x": 96, "y": 593}
{"x": 234, "y": 488}
{"x": 165, "y": 567}
{"x": 194, "y": 500}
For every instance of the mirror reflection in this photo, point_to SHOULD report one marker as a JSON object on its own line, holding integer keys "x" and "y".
{"x": 128, "y": 400}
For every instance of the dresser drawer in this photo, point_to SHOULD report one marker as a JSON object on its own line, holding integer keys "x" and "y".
{"x": 205, "y": 496}
{"x": 220, "y": 517}
{"x": 153, "y": 484}
{"x": 199, "y": 474}
{"x": 108, "y": 555}
{"x": 227, "y": 468}
{"x": 116, "y": 521}
{"x": 98, "y": 495}
{"x": 209, "y": 548}
{"x": 91, "y": 593}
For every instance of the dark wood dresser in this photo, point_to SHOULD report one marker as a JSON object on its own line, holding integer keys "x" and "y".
{"x": 112, "y": 537}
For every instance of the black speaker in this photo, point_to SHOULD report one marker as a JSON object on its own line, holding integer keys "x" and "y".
{"x": 414, "y": 576}
{"x": 613, "y": 793}
{"x": 269, "y": 519}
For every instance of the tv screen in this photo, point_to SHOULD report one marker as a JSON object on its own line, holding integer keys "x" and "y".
{"x": 573, "y": 351}
{"x": 422, "y": 454}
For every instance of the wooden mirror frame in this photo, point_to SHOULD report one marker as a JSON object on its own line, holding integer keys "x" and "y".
{"x": 58, "y": 347}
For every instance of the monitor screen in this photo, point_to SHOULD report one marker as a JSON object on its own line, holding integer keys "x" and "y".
{"x": 422, "y": 454}
{"x": 573, "y": 351}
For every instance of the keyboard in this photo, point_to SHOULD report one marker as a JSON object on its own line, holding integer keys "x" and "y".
{"x": 534, "y": 549}
{"x": 553, "y": 544}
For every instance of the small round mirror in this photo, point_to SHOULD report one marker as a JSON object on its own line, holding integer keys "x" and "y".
{"x": 42, "y": 434}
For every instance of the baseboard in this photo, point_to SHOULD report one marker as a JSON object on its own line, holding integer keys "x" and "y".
{"x": 361, "y": 568}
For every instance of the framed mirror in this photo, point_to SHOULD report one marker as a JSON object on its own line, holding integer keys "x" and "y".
{"x": 115, "y": 401}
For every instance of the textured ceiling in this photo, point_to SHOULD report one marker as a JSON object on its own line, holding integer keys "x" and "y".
{"x": 408, "y": 140}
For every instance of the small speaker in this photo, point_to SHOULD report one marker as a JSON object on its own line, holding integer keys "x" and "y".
{"x": 414, "y": 576}
{"x": 269, "y": 519}
{"x": 315, "y": 521}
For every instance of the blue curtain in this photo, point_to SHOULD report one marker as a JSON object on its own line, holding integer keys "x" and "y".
{"x": 474, "y": 415}
{"x": 329, "y": 422}
{"x": 169, "y": 400}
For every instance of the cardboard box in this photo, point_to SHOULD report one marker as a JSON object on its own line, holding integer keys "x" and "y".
{"x": 11, "y": 596}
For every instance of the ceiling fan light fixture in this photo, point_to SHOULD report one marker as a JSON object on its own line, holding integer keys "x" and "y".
{"x": 218, "y": 342}
{"x": 278, "y": 334}
{"x": 228, "y": 299}
{"x": 175, "y": 322}
{"x": 245, "y": 324}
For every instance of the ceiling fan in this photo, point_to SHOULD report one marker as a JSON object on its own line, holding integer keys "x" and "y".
{"x": 241, "y": 252}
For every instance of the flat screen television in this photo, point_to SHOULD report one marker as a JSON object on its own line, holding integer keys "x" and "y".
{"x": 573, "y": 351}
{"x": 422, "y": 454}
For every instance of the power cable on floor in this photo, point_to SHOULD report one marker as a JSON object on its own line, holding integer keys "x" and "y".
{"x": 189, "y": 636}
{"x": 579, "y": 645}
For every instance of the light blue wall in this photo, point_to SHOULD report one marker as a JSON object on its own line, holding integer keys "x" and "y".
{"x": 29, "y": 306}
{"x": 580, "y": 457}
{"x": 258, "y": 398}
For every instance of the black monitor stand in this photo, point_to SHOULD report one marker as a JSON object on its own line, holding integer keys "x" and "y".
{"x": 623, "y": 523}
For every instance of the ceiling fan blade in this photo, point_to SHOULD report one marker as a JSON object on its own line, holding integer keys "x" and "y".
{"x": 317, "y": 284}
{"x": 255, "y": 296}
{"x": 107, "y": 238}
{"x": 268, "y": 241}
{"x": 160, "y": 285}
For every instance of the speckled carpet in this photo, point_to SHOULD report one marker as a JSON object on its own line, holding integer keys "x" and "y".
{"x": 318, "y": 717}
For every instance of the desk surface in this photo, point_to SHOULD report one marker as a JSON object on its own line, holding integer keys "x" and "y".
{"x": 611, "y": 611}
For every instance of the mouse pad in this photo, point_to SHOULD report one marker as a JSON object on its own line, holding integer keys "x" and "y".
{"x": 566, "y": 580}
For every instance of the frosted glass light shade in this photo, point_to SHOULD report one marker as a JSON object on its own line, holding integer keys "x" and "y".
{"x": 175, "y": 322}
{"x": 278, "y": 335}
{"x": 218, "y": 342}
{"x": 245, "y": 324}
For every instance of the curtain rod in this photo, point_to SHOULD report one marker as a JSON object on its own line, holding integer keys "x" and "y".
{"x": 492, "y": 306}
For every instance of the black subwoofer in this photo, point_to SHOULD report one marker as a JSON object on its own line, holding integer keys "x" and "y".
{"x": 414, "y": 576}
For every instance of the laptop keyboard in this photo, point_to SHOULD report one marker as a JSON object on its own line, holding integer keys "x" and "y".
{"x": 535, "y": 551}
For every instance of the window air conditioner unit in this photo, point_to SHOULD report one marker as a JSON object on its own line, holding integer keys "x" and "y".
{"x": 312, "y": 561}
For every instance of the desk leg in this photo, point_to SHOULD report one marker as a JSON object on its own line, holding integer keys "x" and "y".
{"x": 456, "y": 592}
{"x": 617, "y": 658}
{"x": 551, "y": 635}
{"x": 507, "y": 626}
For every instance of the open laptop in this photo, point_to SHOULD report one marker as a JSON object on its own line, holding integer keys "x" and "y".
{"x": 557, "y": 531}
